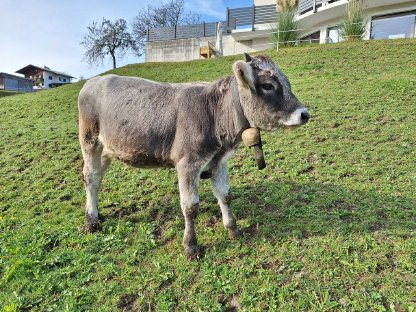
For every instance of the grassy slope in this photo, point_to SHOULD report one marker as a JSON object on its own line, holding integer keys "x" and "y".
{"x": 329, "y": 224}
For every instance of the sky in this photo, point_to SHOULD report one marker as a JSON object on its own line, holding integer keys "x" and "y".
{"x": 49, "y": 32}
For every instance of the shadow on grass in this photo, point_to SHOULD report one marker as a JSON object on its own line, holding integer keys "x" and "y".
{"x": 8, "y": 93}
{"x": 282, "y": 209}
{"x": 286, "y": 209}
{"x": 273, "y": 211}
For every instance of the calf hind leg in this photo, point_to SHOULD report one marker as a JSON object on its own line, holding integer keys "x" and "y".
{"x": 95, "y": 165}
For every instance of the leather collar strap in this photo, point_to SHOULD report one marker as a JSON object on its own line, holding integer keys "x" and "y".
{"x": 237, "y": 105}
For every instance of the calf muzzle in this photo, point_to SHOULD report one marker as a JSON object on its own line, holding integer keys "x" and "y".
{"x": 251, "y": 138}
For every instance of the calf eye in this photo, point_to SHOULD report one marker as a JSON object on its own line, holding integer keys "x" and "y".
{"x": 267, "y": 86}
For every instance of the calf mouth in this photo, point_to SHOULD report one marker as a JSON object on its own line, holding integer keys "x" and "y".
{"x": 298, "y": 118}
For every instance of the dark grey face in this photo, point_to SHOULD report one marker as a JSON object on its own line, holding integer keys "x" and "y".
{"x": 272, "y": 102}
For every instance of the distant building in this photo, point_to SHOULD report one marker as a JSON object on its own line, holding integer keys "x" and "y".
{"x": 44, "y": 77}
{"x": 15, "y": 83}
{"x": 248, "y": 29}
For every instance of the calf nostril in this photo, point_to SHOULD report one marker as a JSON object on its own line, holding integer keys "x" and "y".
{"x": 304, "y": 116}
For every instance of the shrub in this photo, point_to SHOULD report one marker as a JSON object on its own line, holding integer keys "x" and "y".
{"x": 353, "y": 25}
{"x": 286, "y": 31}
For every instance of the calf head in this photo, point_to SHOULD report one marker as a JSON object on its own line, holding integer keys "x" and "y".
{"x": 266, "y": 96}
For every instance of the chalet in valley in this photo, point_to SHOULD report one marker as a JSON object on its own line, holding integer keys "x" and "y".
{"x": 44, "y": 77}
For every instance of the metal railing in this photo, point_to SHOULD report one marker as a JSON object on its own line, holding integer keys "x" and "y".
{"x": 306, "y": 6}
{"x": 182, "y": 32}
{"x": 254, "y": 15}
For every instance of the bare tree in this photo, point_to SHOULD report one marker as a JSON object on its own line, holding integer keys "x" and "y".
{"x": 106, "y": 38}
{"x": 166, "y": 15}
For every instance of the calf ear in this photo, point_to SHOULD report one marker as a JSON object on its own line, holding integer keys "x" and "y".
{"x": 244, "y": 74}
{"x": 247, "y": 57}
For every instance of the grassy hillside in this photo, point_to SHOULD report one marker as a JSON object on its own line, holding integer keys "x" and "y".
{"x": 328, "y": 225}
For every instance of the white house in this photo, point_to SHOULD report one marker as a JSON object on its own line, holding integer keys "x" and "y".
{"x": 44, "y": 77}
{"x": 248, "y": 29}
{"x": 386, "y": 19}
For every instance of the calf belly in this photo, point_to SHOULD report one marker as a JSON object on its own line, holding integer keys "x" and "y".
{"x": 136, "y": 153}
{"x": 144, "y": 161}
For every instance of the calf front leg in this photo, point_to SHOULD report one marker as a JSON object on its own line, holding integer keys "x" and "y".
{"x": 188, "y": 179}
{"x": 221, "y": 190}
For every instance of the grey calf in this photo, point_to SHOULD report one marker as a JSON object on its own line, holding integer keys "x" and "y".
{"x": 195, "y": 128}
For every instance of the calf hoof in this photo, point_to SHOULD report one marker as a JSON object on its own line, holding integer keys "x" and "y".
{"x": 192, "y": 252}
{"x": 91, "y": 226}
{"x": 234, "y": 234}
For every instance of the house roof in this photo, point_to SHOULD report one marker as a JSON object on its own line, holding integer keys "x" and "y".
{"x": 45, "y": 68}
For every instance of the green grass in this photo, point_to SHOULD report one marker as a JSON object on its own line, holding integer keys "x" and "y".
{"x": 329, "y": 225}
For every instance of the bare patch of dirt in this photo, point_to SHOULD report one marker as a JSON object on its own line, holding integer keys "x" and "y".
{"x": 128, "y": 302}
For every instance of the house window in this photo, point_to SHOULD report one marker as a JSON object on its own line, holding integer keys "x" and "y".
{"x": 334, "y": 35}
{"x": 64, "y": 79}
{"x": 50, "y": 77}
{"x": 393, "y": 26}
{"x": 60, "y": 79}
